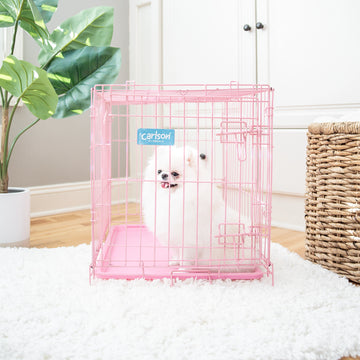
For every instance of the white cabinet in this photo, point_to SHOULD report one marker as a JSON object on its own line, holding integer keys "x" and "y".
{"x": 307, "y": 50}
{"x": 289, "y": 169}
{"x": 313, "y": 59}
{"x": 145, "y": 41}
{"x": 203, "y": 41}
{"x": 314, "y": 53}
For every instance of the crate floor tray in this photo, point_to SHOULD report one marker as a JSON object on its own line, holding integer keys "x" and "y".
{"x": 131, "y": 252}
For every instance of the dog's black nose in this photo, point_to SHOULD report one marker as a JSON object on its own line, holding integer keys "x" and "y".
{"x": 202, "y": 156}
{"x": 164, "y": 176}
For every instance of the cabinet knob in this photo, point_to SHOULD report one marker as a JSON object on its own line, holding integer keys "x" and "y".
{"x": 247, "y": 27}
{"x": 259, "y": 25}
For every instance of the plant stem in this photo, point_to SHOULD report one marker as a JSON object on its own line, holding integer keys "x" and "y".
{"x": 14, "y": 38}
{"x": 2, "y": 97}
{"x": 6, "y": 123}
{"x": 17, "y": 138}
{"x": 10, "y": 99}
{"x": 4, "y": 179}
{"x": 4, "y": 184}
{"x": 8, "y": 131}
{"x": 16, "y": 29}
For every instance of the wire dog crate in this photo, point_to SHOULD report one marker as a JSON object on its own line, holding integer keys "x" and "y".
{"x": 181, "y": 181}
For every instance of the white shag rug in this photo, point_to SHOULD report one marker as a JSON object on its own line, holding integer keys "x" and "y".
{"x": 49, "y": 311}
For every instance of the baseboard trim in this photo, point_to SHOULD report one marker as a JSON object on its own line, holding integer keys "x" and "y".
{"x": 285, "y": 225}
{"x": 59, "y": 198}
{"x": 62, "y": 198}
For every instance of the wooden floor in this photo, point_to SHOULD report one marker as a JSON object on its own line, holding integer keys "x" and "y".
{"x": 74, "y": 228}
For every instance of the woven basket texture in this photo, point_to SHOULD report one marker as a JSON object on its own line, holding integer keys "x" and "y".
{"x": 332, "y": 210}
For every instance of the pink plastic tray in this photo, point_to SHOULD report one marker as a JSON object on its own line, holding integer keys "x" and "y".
{"x": 130, "y": 252}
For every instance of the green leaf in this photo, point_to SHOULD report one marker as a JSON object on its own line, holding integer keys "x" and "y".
{"x": 29, "y": 17}
{"x": 13, "y": 7}
{"x": 6, "y": 19}
{"x": 77, "y": 72}
{"x": 32, "y": 22}
{"x": 46, "y": 8}
{"x": 29, "y": 83}
{"x": 90, "y": 27}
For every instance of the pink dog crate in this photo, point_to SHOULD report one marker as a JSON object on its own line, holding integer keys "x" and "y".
{"x": 230, "y": 128}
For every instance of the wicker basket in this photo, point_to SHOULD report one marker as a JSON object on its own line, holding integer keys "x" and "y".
{"x": 332, "y": 211}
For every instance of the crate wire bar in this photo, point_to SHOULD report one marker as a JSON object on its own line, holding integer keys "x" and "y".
{"x": 232, "y": 126}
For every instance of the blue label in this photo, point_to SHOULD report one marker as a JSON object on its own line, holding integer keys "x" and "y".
{"x": 155, "y": 136}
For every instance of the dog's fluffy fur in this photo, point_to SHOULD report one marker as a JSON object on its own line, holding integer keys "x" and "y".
{"x": 177, "y": 190}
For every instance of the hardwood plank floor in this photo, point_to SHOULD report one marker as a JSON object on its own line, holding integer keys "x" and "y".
{"x": 71, "y": 229}
{"x": 68, "y": 229}
{"x": 74, "y": 228}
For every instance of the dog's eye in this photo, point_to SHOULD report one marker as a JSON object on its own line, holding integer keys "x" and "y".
{"x": 202, "y": 156}
{"x": 159, "y": 171}
{"x": 174, "y": 173}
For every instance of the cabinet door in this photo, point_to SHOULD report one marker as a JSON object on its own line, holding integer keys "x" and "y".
{"x": 145, "y": 44}
{"x": 289, "y": 169}
{"x": 145, "y": 41}
{"x": 309, "y": 54}
{"x": 313, "y": 58}
{"x": 204, "y": 41}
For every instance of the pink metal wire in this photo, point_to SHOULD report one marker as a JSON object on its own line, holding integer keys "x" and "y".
{"x": 227, "y": 236}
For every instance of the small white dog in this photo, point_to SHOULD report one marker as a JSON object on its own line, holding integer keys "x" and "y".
{"x": 187, "y": 212}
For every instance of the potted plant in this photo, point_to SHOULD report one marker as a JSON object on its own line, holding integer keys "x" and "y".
{"x": 72, "y": 59}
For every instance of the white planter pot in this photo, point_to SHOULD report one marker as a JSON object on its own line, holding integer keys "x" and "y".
{"x": 15, "y": 217}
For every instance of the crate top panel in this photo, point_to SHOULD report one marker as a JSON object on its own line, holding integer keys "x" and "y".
{"x": 133, "y": 94}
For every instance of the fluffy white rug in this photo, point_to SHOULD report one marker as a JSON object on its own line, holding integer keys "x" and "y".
{"x": 49, "y": 311}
